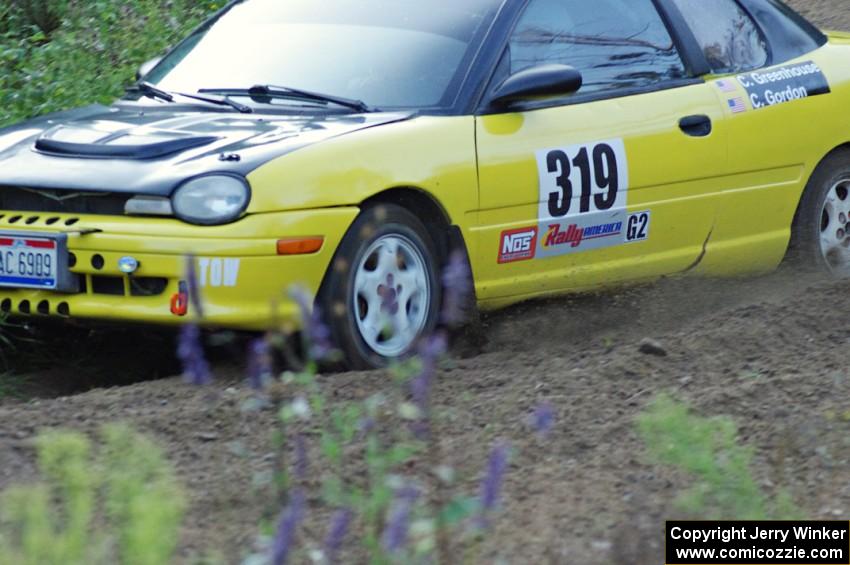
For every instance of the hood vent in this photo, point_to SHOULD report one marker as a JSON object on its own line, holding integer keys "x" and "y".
{"x": 120, "y": 150}
{"x": 111, "y": 140}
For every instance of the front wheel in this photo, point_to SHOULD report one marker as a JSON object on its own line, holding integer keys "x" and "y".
{"x": 821, "y": 232}
{"x": 382, "y": 293}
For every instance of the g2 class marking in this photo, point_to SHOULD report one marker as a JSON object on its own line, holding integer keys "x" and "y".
{"x": 215, "y": 272}
{"x": 637, "y": 228}
{"x": 784, "y": 84}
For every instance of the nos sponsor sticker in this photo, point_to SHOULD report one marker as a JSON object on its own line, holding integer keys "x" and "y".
{"x": 518, "y": 245}
{"x": 784, "y": 84}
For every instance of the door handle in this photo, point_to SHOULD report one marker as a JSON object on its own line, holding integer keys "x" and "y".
{"x": 696, "y": 126}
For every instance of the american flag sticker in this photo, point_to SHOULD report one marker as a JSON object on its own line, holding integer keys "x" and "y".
{"x": 737, "y": 105}
{"x": 725, "y": 86}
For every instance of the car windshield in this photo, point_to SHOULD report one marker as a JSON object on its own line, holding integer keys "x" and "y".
{"x": 386, "y": 53}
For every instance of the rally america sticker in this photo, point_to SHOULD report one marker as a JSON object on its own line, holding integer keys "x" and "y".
{"x": 617, "y": 228}
{"x": 784, "y": 84}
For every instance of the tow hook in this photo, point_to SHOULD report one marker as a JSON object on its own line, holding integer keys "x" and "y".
{"x": 180, "y": 300}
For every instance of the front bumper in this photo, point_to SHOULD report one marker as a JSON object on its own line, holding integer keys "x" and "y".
{"x": 243, "y": 281}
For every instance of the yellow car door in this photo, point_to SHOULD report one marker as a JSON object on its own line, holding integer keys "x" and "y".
{"x": 783, "y": 119}
{"x": 614, "y": 182}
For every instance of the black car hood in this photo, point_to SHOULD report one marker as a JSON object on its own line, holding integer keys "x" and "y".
{"x": 124, "y": 149}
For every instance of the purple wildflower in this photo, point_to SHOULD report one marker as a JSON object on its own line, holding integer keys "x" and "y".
{"x": 542, "y": 419}
{"x": 259, "y": 363}
{"x": 302, "y": 463}
{"x": 491, "y": 485}
{"x": 398, "y": 524}
{"x": 287, "y": 525}
{"x": 193, "y": 286}
{"x": 457, "y": 289}
{"x": 340, "y": 522}
{"x": 190, "y": 351}
{"x": 430, "y": 351}
{"x": 317, "y": 334}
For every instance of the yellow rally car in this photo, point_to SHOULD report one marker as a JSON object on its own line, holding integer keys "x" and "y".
{"x": 349, "y": 145}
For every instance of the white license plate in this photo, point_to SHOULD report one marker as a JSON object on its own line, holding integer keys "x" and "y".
{"x": 29, "y": 262}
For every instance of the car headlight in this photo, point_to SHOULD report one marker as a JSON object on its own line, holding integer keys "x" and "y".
{"x": 211, "y": 199}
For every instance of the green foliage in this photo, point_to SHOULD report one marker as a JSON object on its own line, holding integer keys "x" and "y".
{"x": 47, "y": 15}
{"x": 12, "y": 385}
{"x": 141, "y": 497}
{"x": 367, "y": 452}
{"x": 58, "y": 519}
{"x": 708, "y": 449}
{"x": 58, "y": 54}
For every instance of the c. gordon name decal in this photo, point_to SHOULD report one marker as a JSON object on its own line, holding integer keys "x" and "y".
{"x": 784, "y": 84}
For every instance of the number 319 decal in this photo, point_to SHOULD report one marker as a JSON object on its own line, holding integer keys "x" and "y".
{"x": 582, "y": 179}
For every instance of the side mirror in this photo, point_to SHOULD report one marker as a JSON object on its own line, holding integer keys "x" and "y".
{"x": 539, "y": 81}
{"x": 147, "y": 67}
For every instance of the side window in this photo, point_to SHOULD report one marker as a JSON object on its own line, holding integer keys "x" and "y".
{"x": 729, "y": 38}
{"x": 616, "y": 44}
{"x": 788, "y": 34}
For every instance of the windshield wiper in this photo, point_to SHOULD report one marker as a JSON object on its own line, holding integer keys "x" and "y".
{"x": 219, "y": 101}
{"x": 151, "y": 91}
{"x": 259, "y": 92}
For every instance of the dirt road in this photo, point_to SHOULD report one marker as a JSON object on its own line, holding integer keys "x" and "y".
{"x": 769, "y": 351}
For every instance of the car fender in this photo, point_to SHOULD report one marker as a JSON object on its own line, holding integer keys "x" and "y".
{"x": 433, "y": 154}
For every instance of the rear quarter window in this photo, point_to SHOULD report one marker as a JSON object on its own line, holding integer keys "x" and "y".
{"x": 788, "y": 34}
{"x": 730, "y": 40}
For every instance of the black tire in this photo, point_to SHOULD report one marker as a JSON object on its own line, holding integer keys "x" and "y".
{"x": 337, "y": 298}
{"x": 805, "y": 251}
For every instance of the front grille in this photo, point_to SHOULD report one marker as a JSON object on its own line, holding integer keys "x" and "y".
{"x": 107, "y": 285}
{"x": 43, "y": 308}
{"x": 114, "y": 285}
{"x": 20, "y": 199}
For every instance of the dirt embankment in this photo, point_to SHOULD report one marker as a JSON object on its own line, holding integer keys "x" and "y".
{"x": 828, "y": 14}
{"x": 770, "y": 352}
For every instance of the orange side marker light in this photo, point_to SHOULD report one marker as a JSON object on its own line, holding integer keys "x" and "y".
{"x": 300, "y": 245}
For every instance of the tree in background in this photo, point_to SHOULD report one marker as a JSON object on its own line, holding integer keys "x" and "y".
{"x": 60, "y": 54}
